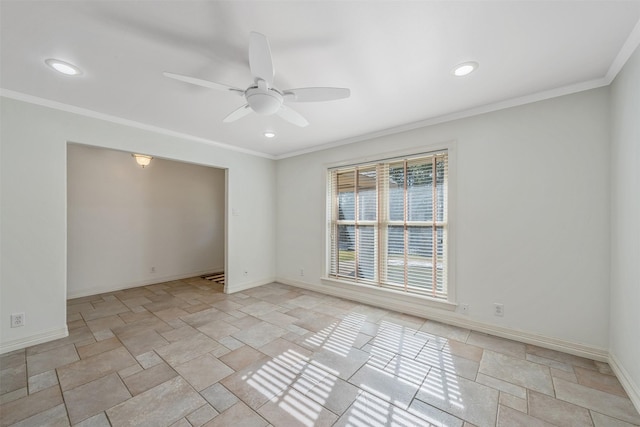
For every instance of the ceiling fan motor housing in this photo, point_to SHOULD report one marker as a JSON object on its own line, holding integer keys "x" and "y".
{"x": 264, "y": 101}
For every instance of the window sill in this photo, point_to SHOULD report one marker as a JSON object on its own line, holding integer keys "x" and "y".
{"x": 386, "y": 298}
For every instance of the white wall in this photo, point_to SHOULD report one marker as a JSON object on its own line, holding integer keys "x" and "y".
{"x": 123, "y": 219}
{"x": 33, "y": 225}
{"x": 625, "y": 226}
{"x": 532, "y": 216}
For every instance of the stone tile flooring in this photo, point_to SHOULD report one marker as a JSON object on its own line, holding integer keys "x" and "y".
{"x": 183, "y": 353}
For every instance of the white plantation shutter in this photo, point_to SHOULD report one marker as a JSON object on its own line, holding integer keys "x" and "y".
{"x": 388, "y": 224}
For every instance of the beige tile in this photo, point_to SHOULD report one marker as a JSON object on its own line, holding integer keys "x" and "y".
{"x": 189, "y": 348}
{"x": 238, "y": 415}
{"x": 161, "y": 405}
{"x": 446, "y": 331}
{"x": 90, "y": 399}
{"x": 562, "y": 366}
{"x": 149, "y": 378}
{"x": 286, "y": 350}
{"x": 219, "y": 397}
{"x": 433, "y": 415}
{"x": 143, "y": 342}
{"x": 105, "y": 323}
{"x": 561, "y": 357}
{"x": 508, "y": 417}
{"x": 259, "y": 382}
{"x": 75, "y": 336}
{"x": 98, "y": 347}
{"x": 260, "y": 334}
{"x": 513, "y": 402}
{"x": 557, "y": 411}
{"x": 305, "y": 301}
{"x": 449, "y": 362}
{"x": 600, "y": 420}
{"x": 343, "y": 363}
{"x": 104, "y": 310}
{"x": 259, "y": 308}
{"x": 13, "y": 359}
{"x": 396, "y": 341}
{"x": 461, "y": 349}
{"x": 333, "y": 393}
{"x": 171, "y": 313}
{"x": 460, "y": 397}
{"x": 497, "y": 344}
{"x": 285, "y": 409}
{"x": 99, "y": 420}
{"x": 42, "y": 381}
{"x": 242, "y": 357}
{"x": 180, "y": 333}
{"x": 13, "y": 395}
{"x": 218, "y": 329}
{"x": 385, "y": 386}
{"x": 54, "y": 417}
{"x": 596, "y": 400}
{"x": 517, "y": 371}
{"x": 149, "y": 359}
{"x": 569, "y": 376}
{"x": 503, "y": 386}
{"x": 604, "y": 368}
{"x": 51, "y": 359}
{"x": 127, "y": 372}
{"x": 31, "y": 405}
{"x": 602, "y": 382}
{"x": 202, "y": 415}
{"x": 13, "y": 378}
{"x": 407, "y": 369}
{"x": 94, "y": 367}
{"x": 371, "y": 411}
{"x": 203, "y": 371}
{"x": 278, "y": 319}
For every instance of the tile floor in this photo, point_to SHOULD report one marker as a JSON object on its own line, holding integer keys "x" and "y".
{"x": 183, "y": 353}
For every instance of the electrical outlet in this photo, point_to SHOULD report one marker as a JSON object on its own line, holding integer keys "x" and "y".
{"x": 153, "y": 269}
{"x": 302, "y": 271}
{"x": 17, "y": 320}
{"x": 498, "y": 309}
{"x": 464, "y": 308}
{"x": 246, "y": 272}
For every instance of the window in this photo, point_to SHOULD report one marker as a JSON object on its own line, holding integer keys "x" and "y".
{"x": 387, "y": 224}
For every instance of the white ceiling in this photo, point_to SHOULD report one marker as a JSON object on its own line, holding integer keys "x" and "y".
{"x": 395, "y": 56}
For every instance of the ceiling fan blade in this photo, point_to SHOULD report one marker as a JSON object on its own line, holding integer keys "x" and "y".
{"x": 204, "y": 83}
{"x": 292, "y": 116}
{"x": 260, "y": 58}
{"x": 316, "y": 94}
{"x": 238, "y": 114}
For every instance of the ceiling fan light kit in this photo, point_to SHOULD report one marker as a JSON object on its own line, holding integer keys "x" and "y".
{"x": 261, "y": 97}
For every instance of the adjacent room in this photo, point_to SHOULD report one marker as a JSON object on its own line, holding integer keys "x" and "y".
{"x": 375, "y": 213}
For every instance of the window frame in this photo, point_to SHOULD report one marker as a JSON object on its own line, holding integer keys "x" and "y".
{"x": 389, "y": 157}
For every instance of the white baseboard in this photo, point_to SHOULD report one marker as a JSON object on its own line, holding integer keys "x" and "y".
{"x": 244, "y": 286}
{"x": 418, "y": 309}
{"x": 40, "y": 338}
{"x": 629, "y": 385}
{"x": 150, "y": 281}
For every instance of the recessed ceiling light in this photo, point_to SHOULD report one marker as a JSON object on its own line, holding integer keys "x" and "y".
{"x": 269, "y": 134}
{"x": 63, "y": 67}
{"x": 465, "y": 68}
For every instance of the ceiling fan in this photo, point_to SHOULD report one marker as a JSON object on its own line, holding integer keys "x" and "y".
{"x": 262, "y": 97}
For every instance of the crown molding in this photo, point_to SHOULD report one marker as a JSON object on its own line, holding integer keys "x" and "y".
{"x": 19, "y": 96}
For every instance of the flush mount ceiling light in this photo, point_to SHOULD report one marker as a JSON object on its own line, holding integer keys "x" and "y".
{"x": 142, "y": 159}
{"x": 269, "y": 134}
{"x": 63, "y": 67}
{"x": 465, "y": 68}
